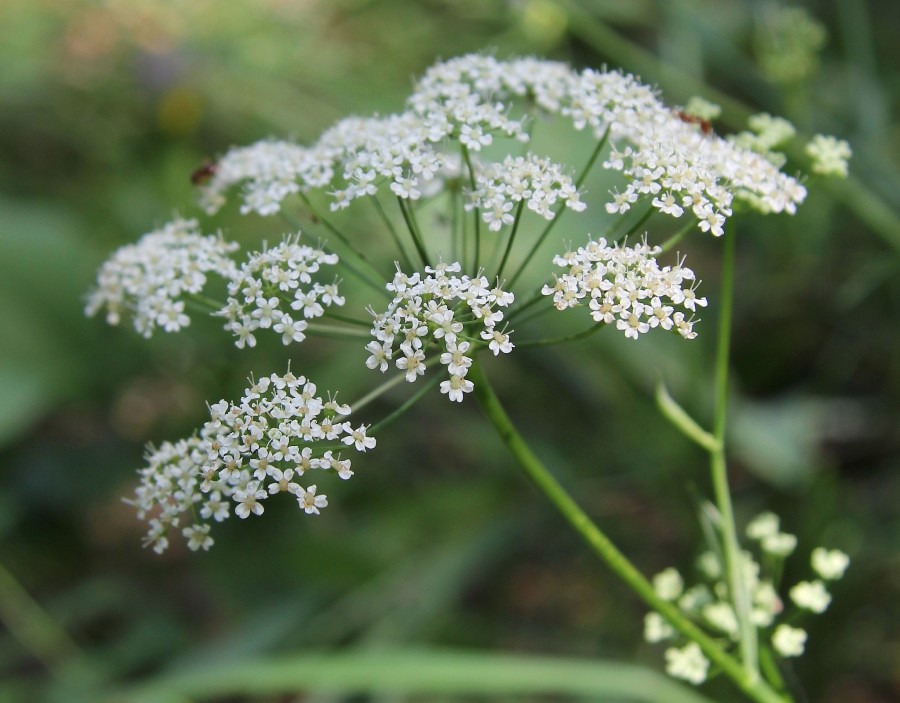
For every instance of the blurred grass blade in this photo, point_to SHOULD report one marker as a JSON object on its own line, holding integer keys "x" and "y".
{"x": 419, "y": 672}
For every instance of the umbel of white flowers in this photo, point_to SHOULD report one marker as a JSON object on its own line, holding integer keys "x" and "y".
{"x": 268, "y": 443}
{"x": 444, "y": 313}
{"x": 708, "y": 601}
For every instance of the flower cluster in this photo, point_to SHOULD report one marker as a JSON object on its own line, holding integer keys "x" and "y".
{"x": 151, "y": 276}
{"x": 626, "y": 285}
{"x": 272, "y": 281}
{"x": 708, "y": 603}
{"x": 396, "y": 150}
{"x": 539, "y": 183}
{"x": 464, "y": 103}
{"x": 829, "y": 565}
{"x": 455, "y": 312}
{"x": 270, "y": 171}
{"x": 830, "y": 156}
{"x": 244, "y": 454}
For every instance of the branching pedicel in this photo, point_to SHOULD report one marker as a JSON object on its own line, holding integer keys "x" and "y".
{"x": 459, "y": 300}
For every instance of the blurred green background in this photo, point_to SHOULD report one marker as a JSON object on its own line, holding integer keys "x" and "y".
{"x": 105, "y": 110}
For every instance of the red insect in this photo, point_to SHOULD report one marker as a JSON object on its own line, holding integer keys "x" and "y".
{"x": 204, "y": 173}
{"x": 705, "y": 125}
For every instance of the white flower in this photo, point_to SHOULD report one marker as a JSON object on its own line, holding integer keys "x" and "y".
{"x": 763, "y": 525}
{"x": 358, "y": 437}
{"x": 830, "y": 155}
{"x": 781, "y": 544}
{"x": 829, "y": 564}
{"x": 310, "y": 502}
{"x": 379, "y": 356}
{"x": 291, "y": 330}
{"x": 709, "y": 564}
{"x": 687, "y": 663}
{"x": 198, "y": 537}
{"x": 413, "y": 363}
{"x": 456, "y": 387}
{"x": 656, "y": 629}
{"x": 811, "y": 595}
{"x": 721, "y": 615}
{"x": 766, "y": 604}
{"x": 466, "y": 101}
{"x": 789, "y": 641}
{"x": 668, "y": 584}
{"x": 248, "y": 500}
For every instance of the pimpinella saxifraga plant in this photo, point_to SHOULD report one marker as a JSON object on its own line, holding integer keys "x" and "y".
{"x": 457, "y": 292}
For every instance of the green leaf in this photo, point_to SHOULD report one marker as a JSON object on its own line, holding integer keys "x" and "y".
{"x": 419, "y": 672}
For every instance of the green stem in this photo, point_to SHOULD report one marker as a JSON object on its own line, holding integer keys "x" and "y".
{"x": 718, "y": 467}
{"x": 560, "y": 340}
{"x": 349, "y": 320}
{"x": 679, "y": 417}
{"x": 377, "y": 392}
{"x": 677, "y": 237}
{"x": 770, "y": 668}
{"x": 522, "y": 320}
{"x": 205, "y": 303}
{"x": 757, "y": 689}
{"x": 413, "y": 230}
{"x": 454, "y": 224}
{"x": 467, "y": 158}
{"x": 512, "y": 238}
{"x": 407, "y": 405}
{"x": 590, "y": 164}
{"x": 556, "y": 216}
{"x": 407, "y": 262}
{"x": 377, "y": 282}
{"x": 337, "y": 332}
{"x": 634, "y": 228}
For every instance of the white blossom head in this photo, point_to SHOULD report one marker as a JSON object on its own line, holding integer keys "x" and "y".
{"x": 668, "y": 157}
{"x": 279, "y": 289}
{"x": 270, "y": 442}
{"x": 152, "y": 277}
{"x": 830, "y": 564}
{"x": 687, "y": 663}
{"x": 538, "y": 183}
{"x": 830, "y": 156}
{"x": 627, "y": 287}
{"x": 789, "y": 641}
{"x": 441, "y": 311}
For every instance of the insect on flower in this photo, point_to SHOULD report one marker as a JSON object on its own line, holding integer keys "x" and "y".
{"x": 204, "y": 173}
{"x": 705, "y": 125}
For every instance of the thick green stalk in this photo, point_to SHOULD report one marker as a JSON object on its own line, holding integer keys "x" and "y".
{"x": 733, "y": 560}
{"x": 756, "y": 689}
